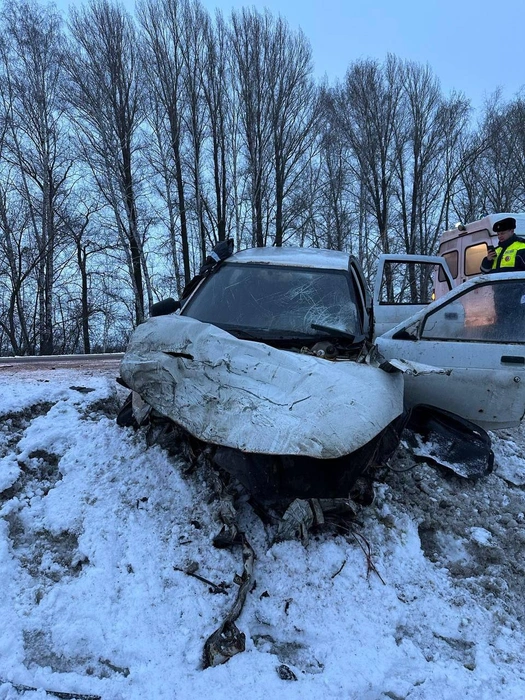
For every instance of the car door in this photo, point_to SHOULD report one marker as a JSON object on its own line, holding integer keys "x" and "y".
{"x": 476, "y": 333}
{"x": 405, "y": 284}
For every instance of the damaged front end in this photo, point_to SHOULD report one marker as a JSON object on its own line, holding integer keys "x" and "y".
{"x": 284, "y": 424}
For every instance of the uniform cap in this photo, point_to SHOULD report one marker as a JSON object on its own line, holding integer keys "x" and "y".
{"x": 508, "y": 224}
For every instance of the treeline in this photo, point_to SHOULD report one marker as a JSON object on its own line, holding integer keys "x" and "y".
{"x": 130, "y": 144}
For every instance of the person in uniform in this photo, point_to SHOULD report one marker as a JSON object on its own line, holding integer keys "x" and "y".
{"x": 509, "y": 256}
{"x": 509, "y": 297}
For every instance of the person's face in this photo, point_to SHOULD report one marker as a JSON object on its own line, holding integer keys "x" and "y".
{"x": 504, "y": 235}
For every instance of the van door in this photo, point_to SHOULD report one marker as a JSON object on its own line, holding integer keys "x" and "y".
{"x": 477, "y": 334}
{"x": 404, "y": 284}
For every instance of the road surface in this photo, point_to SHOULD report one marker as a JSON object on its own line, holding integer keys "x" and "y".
{"x": 104, "y": 362}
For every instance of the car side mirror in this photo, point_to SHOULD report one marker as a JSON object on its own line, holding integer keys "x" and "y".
{"x": 165, "y": 307}
{"x": 403, "y": 335}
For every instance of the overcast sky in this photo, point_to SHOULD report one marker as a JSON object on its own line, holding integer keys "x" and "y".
{"x": 473, "y": 46}
{"x": 469, "y": 44}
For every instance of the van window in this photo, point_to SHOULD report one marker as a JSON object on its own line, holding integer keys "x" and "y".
{"x": 473, "y": 257}
{"x": 452, "y": 262}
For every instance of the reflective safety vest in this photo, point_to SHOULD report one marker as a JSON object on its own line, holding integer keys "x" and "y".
{"x": 506, "y": 258}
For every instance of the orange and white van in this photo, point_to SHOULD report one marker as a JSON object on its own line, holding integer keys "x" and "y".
{"x": 465, "y": 246}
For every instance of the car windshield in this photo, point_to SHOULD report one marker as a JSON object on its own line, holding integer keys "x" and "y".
{"x": 277, "y": 301}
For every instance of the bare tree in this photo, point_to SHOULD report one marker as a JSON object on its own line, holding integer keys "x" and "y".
{"x": 491, "y": 183}
{"x": 105, "y": 97}
{"x": 501, "y": 173}
{"x": 217, "y": 90}
{"x": 462, "y": 149}
{"x": 516, "y": 117}
{"x": 431, "y": 154}
{"x": 164, "y": 194}
{"x": 251, "y": 38}
{"x": 162, "y": 27}
{"x": 31, "y": 54}
{"x": 194, "y": 49}
{"x": 15, "y": 265}
{"x": 367, "y": 110}
{"x": 333, "y": 188}
{"x": 294, "y": 114}
{"x": 89, "y": 245}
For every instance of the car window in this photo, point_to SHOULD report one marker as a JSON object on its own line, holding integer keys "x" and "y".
{"x": 276, "y": 298}
{"x": 407, "y": 282}
{"x": 489, "y": 312}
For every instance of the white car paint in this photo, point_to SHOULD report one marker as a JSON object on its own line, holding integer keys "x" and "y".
{"x": 295, "y": 257}
{"x": 485, "y": 361}
{"x": 253, "y": 397}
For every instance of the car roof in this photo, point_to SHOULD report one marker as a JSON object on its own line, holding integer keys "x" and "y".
{"x": 293, "y": 256}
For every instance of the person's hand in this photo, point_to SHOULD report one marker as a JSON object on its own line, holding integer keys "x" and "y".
{"x": 491, "y": 255}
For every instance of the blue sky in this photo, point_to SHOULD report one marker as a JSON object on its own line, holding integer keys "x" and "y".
{"x": 469, "y": 44}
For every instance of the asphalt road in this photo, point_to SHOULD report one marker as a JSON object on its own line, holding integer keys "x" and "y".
{"x": 107, "y": 361}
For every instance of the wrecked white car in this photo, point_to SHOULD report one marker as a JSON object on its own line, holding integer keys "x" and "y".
{"x": 267, "y": 362}
{"x": 269, "y": 366}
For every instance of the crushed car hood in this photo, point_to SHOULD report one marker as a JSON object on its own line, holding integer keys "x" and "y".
{"x": 252, "y": 397}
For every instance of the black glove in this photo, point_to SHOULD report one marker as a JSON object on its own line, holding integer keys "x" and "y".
{"x": 222, "y": 250}
{"x": 166, "y": 306}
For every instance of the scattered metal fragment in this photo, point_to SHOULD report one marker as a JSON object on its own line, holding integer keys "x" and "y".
{"x": 21, "y": 688}
{"x": 228, "y": 640}
{"x": 285, "y": 673}
{"x": 191, "y": 569}
{"x": 296, "y": 521}
{"x": 301, "y": 515}
{"x": 124, "y": 670}
{"x": 224, "y": 643}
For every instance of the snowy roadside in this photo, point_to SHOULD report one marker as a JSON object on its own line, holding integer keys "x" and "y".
{"x": 96, "y": 532}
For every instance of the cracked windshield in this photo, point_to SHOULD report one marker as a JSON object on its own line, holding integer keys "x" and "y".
{"x": 276, "y": 299}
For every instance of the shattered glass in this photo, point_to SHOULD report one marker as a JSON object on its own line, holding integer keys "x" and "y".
{"x": 277, "y": 299}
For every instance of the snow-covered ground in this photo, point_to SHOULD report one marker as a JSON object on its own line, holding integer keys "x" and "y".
{"x": 97, "y": 533}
